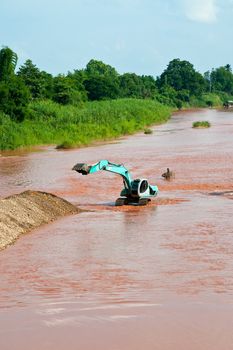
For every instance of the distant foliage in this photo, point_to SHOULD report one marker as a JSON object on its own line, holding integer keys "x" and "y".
{"x": 179, "y": 86}
{"x": 181, "y": 76}
{"x": 101, "y": 88}
{"x": 62, "y": 90}
{"x": 222, "y": 80}
{"x": 101, "y": 81}
{"x": 135, "y": 86}
{"x": 40, "y": 84}
{"x": 14, "y": 98}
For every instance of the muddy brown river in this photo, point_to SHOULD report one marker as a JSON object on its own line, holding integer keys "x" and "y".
{"x": 158, "y": 277}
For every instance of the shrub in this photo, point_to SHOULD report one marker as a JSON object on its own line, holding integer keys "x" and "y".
{"x": 65, "y": 145}
{"x": 148, "y": 131}
{"x": 179, "y": 104}
{"x": 201, "y": 124}
{"x": 209, "y": 103}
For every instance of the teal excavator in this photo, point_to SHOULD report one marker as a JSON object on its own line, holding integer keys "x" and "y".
{"x": 137, "y": 191}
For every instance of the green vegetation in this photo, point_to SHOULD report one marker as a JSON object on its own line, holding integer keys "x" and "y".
{"x": 14, "y": 94}
{"x": 148, "y": 131}
{"x": 71, "y": 126}
{"x": 201, "y": 124}
{"x": 97, "y": 103}
{"x": 182, "y": 77}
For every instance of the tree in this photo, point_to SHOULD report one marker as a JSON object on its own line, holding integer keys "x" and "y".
{"x": 78, "y": 77}
{"x": 182, "y": 76}
{"x": 39, "y": 83}
{"x": 101, "y": 88}
{"x": 208, "y": 83}
{"x": 14, "y": 95}
{"x": 14, "y": 98}
{"x": 8, "y": 61}
{"x": 136, "y": 86}
{"x": 47, "y": 84}
{"x": 183, "y": 95}
{"x": 131, "y": 85}
{"x": 168, "y": 95}
{"x": 64, "y": 91}
{"x": 149, "y": 86}
{"x": 101, "y": 81}
{"x": 99, "y": 68}
{"x": 222, "y": 79}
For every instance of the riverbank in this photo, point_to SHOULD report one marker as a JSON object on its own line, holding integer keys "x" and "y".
{"x": 23, "y": 212}
{"x": 70, "y": 126}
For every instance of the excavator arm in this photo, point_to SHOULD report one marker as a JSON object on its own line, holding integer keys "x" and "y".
{"x": 85, "y": 169}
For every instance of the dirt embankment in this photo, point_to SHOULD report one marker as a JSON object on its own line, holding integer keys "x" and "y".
{"x": 22, "y": 212}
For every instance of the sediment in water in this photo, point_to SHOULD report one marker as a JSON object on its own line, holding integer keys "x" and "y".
{"x": 23, "y": 212}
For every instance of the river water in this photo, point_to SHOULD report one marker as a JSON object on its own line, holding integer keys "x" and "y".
{"x": 126, "y": 278}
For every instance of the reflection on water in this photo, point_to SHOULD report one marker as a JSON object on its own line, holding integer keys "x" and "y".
{"x": 155, "y": 277}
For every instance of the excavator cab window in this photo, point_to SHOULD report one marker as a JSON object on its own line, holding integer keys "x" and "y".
{"x": 143, "y": 186}
{"x": 152, "y": 192}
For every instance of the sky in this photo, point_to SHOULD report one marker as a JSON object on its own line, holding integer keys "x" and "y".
{"x": 137, "y": 36}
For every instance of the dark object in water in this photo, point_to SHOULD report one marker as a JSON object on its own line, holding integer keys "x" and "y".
{"x": 223, "y": 193}
{"x": 168, "y": 175}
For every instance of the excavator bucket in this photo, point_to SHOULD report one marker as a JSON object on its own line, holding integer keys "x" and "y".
{"x": 82, "y": 168}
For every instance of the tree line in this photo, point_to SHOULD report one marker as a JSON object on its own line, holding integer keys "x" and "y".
{"x": 176, "y": 86}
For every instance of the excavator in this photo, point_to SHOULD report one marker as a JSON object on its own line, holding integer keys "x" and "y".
{"x": 137, "y": 191}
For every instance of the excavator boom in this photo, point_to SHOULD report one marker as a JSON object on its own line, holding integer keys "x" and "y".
{"x": 85, "y": 169}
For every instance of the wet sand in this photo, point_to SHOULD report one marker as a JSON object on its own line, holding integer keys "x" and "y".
{"x": 155, "y": 277}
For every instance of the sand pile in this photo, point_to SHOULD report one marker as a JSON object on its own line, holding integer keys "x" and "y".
{"x": 22, "y": 212}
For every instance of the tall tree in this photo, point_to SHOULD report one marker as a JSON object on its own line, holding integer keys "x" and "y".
{"x": 99, "y": 68}
{"x": 181, "y": 75}
{"x": 14, "y": 95}
{"x": 102, "y": 81}
{"x": 39, "y": 83}
{"x": 8, "y": 62}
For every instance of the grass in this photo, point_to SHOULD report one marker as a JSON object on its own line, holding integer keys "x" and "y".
{"x": 201, "y": 124}
{"x": 70, "y": 126}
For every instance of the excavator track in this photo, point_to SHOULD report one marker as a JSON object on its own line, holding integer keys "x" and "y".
{"x": 124, "y": 201}
{"x": 143, "y": 201}
{"x": 121, "y": 201}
